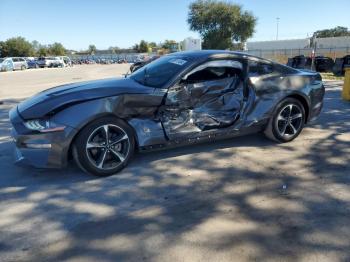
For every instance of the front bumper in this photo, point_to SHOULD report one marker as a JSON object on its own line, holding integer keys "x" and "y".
{"x": 41, "y": 150}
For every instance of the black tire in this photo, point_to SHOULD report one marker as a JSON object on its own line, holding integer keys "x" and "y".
{"x": 23, "y": 67}
{"x": 88, "y": 157}
{"x": 289, "y": 116}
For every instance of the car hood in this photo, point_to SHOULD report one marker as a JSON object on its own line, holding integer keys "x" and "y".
{"x": 56, "y": 98}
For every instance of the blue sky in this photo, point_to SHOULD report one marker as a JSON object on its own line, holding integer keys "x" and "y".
{"x": 78, "y": 23}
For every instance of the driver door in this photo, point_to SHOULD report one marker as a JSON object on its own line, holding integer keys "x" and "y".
{"x": 210, "y": 97}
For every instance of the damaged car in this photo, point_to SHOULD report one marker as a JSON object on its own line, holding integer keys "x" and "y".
{"x": 179, "y": 99}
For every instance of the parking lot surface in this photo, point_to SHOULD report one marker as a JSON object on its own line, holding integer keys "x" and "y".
{"x": 242, "y": 199}
{"x": 21, "y": 84}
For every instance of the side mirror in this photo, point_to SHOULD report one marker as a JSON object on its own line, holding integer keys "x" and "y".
{"x": 184, "y": 81}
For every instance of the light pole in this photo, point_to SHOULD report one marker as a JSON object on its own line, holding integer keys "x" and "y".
{"x": 314, "y": 49}
{"x": 278, "y": 21}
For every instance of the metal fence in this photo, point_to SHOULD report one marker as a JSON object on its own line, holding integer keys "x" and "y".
{"x": 282, "y": 55}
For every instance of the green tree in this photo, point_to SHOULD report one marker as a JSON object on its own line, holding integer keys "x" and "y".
{"x": 113, "y": 49}
{"x": 136, "y": 47}
{"x": 42, "y": 51}
{"x": 333, "y": 32}
{"x": 220, "y": 23}
{"x": 2, "y": 48}
{"x": 143, "y": 46}
{"x": 169, "y": 44}
{"x": 57, "y": 49}
{"x": 152, "y": 45}
{"x": 17, "y": 46}
{"x": 92, "y": 49}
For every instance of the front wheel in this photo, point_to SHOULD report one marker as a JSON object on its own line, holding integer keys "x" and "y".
{"x": 104, "y": 147}
{"x": 287, "y": 121}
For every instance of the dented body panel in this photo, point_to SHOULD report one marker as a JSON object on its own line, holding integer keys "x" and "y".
{"x": 213, "y": 95}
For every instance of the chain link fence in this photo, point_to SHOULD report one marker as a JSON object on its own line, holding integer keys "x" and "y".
{"x": 282, "y": 55}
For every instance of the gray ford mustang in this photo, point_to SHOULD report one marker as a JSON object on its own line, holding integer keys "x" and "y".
{"x": 179, "y": 99}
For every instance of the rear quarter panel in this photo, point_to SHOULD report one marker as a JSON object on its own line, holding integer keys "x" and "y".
{"x": 271, "y": 89}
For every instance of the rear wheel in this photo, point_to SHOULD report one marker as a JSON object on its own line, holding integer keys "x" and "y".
{"x": 23, "y": 67}
{"x": 104, "y": 147}
{"x": 287, "y": 121}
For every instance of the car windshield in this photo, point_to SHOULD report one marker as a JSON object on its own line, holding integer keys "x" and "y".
{"x": 160, "y": 71}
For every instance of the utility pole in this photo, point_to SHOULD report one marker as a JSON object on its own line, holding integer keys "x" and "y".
{"x": 313, "y": 52}
{"x": 278, "y": 21}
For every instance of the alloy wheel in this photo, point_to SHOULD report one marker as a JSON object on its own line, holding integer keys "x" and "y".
{"x": 289, "y": 120}
{"x": 107, "y": 147}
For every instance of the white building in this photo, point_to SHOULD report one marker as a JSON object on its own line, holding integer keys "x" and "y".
{"x": 279, "y": 44}
{"x": 190, "y": 44}
{"x": 331, "y": 42}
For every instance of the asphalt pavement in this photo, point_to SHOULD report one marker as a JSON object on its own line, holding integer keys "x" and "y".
{"x": 243, "y": 199}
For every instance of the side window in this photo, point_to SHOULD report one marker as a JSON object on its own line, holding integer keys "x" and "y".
{"x": 259, "y": 69}
{"x": 214, "y": 70}
{"x": 15, "y": 59}
{"x": 282, "y": 69}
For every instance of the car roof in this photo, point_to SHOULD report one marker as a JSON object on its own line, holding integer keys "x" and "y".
{"x": 206, "y": 54}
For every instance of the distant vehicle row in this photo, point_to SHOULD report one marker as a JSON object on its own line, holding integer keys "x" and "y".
{"x": 59, "y": 61}
{"x": 104, "y": 61}
{"x": 22, "y": 63}
{"x": 322, "y": 63}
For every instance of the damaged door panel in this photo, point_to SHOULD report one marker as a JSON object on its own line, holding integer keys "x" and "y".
{"x": 209, "y": 97}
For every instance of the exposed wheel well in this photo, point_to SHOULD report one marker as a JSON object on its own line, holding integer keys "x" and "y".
{"x": 70, "y": 153}
{"x": 305, "y": 104}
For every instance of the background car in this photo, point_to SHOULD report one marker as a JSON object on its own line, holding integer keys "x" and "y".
{"x": 340, "y": 64}
{"x": 44, "y": 62}
{"x": 19, "y": 63}
{"x": 58, "y": 62}
{"x": 65, "y": 60}
{"x": 50, "y": 62}
{"x": 300, "y": 62}
{"x": 6, "y": 64}
{"x": 322, "y": 63}
{"x": 32, "y": 63}
{"x": 178, "y": 99}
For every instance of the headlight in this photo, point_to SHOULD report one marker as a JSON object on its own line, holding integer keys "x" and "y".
{"x": 43, "y": 125}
